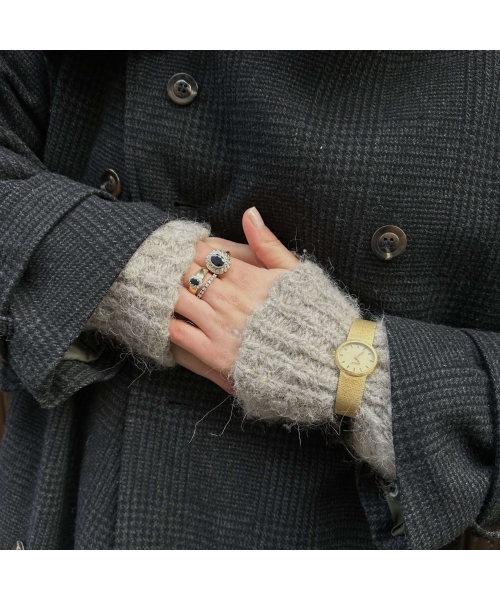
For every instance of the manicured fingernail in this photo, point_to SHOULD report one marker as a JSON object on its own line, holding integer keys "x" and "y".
{"x": 255, "y": 217}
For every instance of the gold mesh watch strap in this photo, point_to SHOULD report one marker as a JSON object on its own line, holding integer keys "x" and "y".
{"x": 350, "y": 389}
{"x": 362, "y": 330}
{"x": 349, "y": 394}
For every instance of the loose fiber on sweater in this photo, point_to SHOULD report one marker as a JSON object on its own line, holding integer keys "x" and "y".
{"x": 138, "y": 306}
{"x": 285, "y": 370}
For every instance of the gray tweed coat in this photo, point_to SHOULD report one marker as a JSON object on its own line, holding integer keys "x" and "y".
{"x": 330, "y": 146}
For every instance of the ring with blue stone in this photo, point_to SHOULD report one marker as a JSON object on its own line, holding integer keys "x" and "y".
{"x": 196, "y": 281}
{"x": 218, "y": 261}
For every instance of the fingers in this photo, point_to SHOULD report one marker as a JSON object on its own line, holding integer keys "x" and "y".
{"x": 190, "y": 307}
{"x": 268, "y": 249}
{"x": 194, "y": 267}
{"x": 237, "y": 272}
{"x": 242, "y": 252}
{"x": 202, "y": 249}
{"x": 194, "y": 364}
{"x": 238, "y": 290}
{"x": 192, "y": 339}
{"x": 219, "y": 356}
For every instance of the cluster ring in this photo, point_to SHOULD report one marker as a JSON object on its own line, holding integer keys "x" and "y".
{"x": 218, "y": 261}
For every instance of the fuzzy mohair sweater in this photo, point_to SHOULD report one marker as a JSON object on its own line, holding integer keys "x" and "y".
{"x": 285, "y": 370}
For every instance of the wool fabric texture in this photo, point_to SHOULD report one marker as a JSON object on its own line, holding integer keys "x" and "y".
{"x": 103, "y": 455}
{"x": 139, "y": 305}
{"x": 285, "y": 370}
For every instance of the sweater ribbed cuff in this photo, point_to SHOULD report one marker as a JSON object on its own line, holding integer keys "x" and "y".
{"x": 285, "y": 370}
{"x": 139, "y": 305}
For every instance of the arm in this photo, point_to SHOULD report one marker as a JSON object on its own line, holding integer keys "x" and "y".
{"x": 62, "y": 244}
{"x": 137, "y": 310}
{"x": 285, "y": 370}
{"x": 139, "y": 305}
{"x": 444, "y": 400}
{"x": 446, "y": 426}
{"x": 440, "y": 383}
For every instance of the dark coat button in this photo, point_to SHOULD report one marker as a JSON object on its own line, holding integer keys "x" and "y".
{"x": 110, "y": 182}
{"x": 388, "y": 242}
{"x": 18, "y": 546}
{"x": 182, "y": 89}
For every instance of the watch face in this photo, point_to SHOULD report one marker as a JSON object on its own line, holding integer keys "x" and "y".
{"x": 356, "y": 358}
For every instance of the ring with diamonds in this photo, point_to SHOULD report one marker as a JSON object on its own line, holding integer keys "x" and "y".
{"x": 205, "y": 287}
{"x": 218, "y": 261}
{"x": 196, "y": 281}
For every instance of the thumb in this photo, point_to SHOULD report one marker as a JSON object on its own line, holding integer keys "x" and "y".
{"x": 267, "y": 247}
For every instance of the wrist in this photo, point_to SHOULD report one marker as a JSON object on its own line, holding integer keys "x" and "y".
{"x": 371, "y": 431}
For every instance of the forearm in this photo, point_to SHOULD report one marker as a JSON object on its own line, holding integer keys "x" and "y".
{"x": 285, "y": 370}
{"x": 63, "y": 242}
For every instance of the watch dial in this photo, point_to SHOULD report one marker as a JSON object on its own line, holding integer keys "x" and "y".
{"x": 356, "y": 358}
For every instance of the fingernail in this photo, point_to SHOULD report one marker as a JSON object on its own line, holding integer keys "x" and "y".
{"x": 255, "y": 217}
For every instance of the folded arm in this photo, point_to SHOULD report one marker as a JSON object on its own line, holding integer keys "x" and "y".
{"x": 281, "y": 362}
{"x": 62, "y": 245}
{"x": 431, "y": 409}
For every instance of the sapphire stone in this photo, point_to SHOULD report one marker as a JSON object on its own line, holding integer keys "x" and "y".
{"x": 217, "y": 261}
{"x": 194, "y": 281}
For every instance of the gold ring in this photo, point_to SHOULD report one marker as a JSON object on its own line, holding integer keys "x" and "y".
{"x": 196, "y": 281}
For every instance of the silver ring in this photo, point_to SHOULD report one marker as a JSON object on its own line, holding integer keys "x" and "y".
{"x": 205, "y": 287}
{"x": 218, "y": 261}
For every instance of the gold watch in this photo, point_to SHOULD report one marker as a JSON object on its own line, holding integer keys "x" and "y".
{"x": 356, "y": 358}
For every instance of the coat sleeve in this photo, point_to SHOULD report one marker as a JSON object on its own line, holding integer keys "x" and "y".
{"x": 62, "y": 244}
{"x": 445, "y": 384}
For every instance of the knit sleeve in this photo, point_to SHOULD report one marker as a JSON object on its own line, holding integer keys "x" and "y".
{"x": 137, "y": 308}
{"x": 285, "y": 370}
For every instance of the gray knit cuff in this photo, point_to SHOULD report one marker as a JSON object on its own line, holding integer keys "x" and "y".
{"x": 285, "y": 370}
{"x": 137, "y": 308}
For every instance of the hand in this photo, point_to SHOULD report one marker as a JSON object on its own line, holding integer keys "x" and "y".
{"x": 210, "y": 349}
